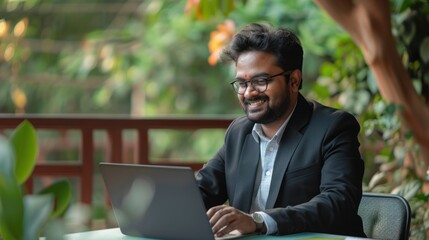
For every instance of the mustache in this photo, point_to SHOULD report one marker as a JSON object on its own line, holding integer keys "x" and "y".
{"x": 258, "y": 98}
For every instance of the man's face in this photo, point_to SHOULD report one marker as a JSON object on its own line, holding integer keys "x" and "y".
{"x": 274, "y": 104}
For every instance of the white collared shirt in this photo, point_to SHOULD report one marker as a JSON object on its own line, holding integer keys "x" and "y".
{"x": 268, "y": 149}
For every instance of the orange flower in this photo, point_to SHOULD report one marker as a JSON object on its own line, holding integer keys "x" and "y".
{"x": 219, "y": 39}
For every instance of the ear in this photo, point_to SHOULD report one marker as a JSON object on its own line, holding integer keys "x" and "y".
{"x": 295, "y": 80}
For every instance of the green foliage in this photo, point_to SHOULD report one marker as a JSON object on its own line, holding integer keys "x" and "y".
{"x": 61, "y": 191}
{"x": 37, "y": 211}
{"x": 208, "y": 7}
{"x": 24, "y": 142}
{"x": 390, "y": 152}
{"x": 155, "y": 63}
{"x": 162, "y": 57}
{"x": 185, "y": 146}
{"x": 11, "y": 208}
{"x": 23, "y": 216}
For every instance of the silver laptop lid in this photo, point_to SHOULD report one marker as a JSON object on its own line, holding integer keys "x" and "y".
{"x": 156, "y": 201}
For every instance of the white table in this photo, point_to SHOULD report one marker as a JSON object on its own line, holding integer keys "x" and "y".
{"x": 115, "y": 234}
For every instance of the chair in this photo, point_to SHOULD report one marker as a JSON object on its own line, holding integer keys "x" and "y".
{"x": 385, "y": 216}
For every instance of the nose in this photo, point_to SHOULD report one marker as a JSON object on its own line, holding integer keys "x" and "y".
{"x": 250, "y": 90}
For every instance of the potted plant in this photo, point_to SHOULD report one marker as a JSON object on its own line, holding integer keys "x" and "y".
{"x": 22, "y": 215}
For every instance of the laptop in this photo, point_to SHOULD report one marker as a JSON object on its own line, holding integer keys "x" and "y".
{"x": 161, "y": 202}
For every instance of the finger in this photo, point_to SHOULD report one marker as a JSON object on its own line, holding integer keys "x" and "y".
{"x": 215, "y": 213}
{"x": 227, "y": 229}
{"x": 235, "y": 220}
{"x": 213, "y": 210}
{"x": 217, "y": 221}
{"x": 224, "y": 220}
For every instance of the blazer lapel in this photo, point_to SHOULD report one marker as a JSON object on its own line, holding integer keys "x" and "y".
{"x": 283, "y": 158}
{"x": 246, "y": 174}
{"x": 289, "y": 142}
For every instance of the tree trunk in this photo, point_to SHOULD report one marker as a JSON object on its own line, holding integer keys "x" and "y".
{"x": 368, "y": 23}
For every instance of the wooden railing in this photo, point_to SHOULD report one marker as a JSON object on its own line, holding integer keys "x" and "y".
{"x": 114, "y": 126}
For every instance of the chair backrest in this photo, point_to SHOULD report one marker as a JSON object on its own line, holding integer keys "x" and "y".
{"x": 385, "y": 216}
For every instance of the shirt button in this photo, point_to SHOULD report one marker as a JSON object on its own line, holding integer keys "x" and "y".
{"x": 271, "y": 149}
{"x": 268, "y": 173}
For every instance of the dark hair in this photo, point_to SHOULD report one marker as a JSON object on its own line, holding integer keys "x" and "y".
{"x": 282, "y": 42}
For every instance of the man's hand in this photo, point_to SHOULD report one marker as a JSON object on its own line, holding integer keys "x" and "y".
{"x": 225, "y": 219}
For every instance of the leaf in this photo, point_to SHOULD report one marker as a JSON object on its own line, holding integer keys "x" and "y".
{"x": 62, "y": 193}
{"x": 408, "y": 190}
{"x": 399, "y": 152}
{"x": 418, "y": 86}
{"x": 401, "y": 5}
{"x": 37, "y": 211}
{"x": 376, "y": 179}
{"x": 7, "y": 159}
{"x": 11, "y": 208}
{"x": 372, "y": 82}
{"x": 424, "y": 50}
{"x": 24, "y": 143}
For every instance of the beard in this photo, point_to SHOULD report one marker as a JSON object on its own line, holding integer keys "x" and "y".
{"x": 272, "y": 112}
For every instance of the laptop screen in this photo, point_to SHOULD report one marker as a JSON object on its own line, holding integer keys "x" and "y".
{"x": 156, "y": 201}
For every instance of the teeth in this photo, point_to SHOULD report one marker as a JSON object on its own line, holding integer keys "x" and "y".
{"x": 256, "y": 102}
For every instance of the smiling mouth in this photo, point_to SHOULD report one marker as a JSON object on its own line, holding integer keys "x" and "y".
{"x": 255, "y": 103}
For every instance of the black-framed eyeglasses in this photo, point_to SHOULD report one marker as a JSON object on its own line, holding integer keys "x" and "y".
{"x": 260, "y": 84}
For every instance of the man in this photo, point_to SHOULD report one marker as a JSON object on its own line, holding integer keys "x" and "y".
{"x": 290, "y": 165}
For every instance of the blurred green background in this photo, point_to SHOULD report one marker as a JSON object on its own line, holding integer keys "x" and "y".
{"x": 151, "y": 58}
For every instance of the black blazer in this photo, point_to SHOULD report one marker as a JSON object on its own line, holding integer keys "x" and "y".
{"x": 316, "y": 184}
